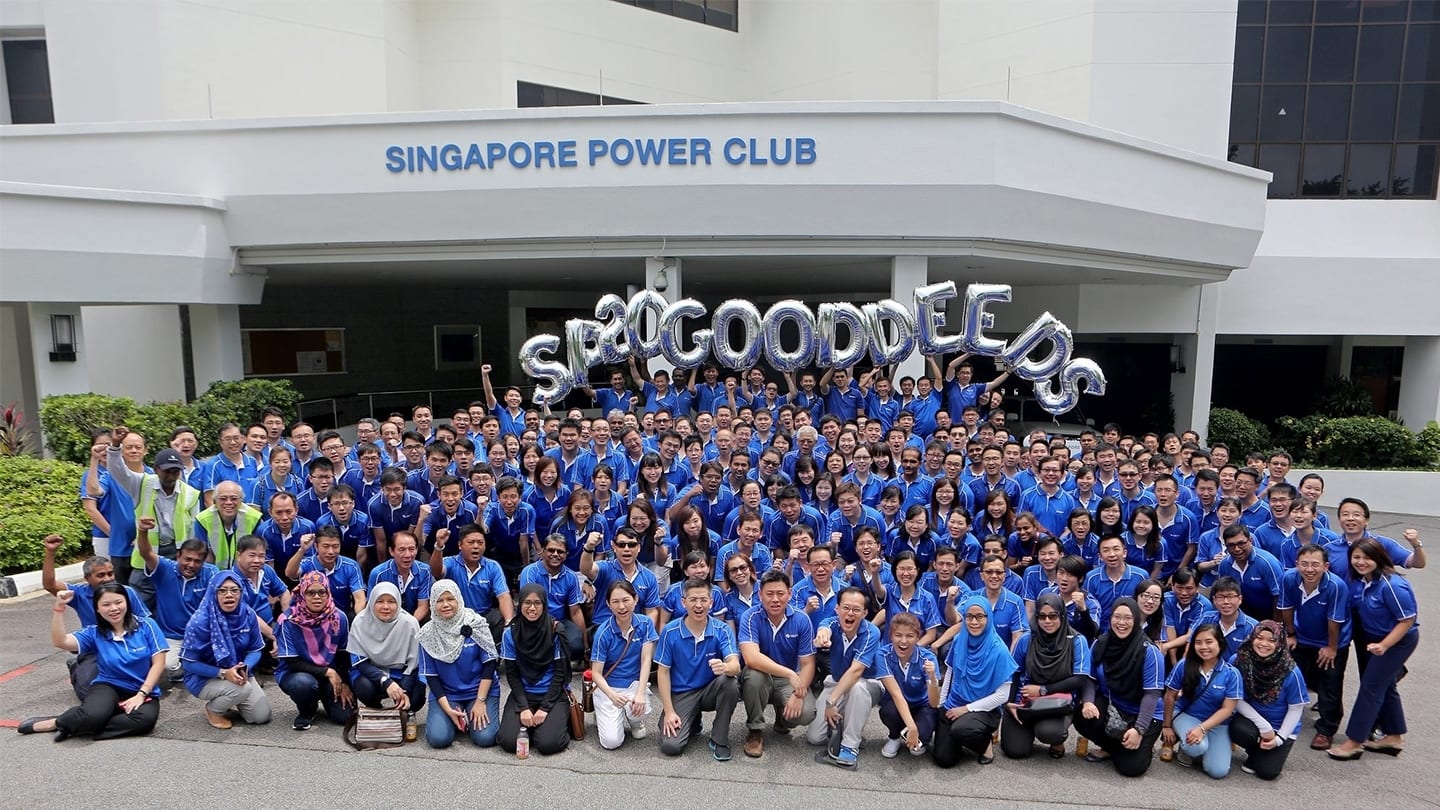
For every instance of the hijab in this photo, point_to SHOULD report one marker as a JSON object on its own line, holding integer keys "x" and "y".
{"x": 1051, "y": 656}
{"x": 534, "y": 640}
{"x": 386, "y": 644}
{"x": 1264, "y": 675}
{"x": 1124, "y": 658}
{"x": 444, "y": 638}
{"x": 983, "y": 661}
{"x": 228, "y": 636}
{"x": 319, "y": 630}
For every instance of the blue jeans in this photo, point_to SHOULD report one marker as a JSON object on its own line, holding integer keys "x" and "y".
{"x": 440, "y": 728}
{"x": 308, "y": 693}
{"x": 1213, "y": 751}
{"x": 1377, "y": 702}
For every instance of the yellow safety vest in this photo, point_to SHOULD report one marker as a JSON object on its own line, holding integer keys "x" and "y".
{"x": 221, "y": 544}
{"x": 187, "y": 508}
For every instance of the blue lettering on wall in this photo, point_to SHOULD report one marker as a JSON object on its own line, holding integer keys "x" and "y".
{"x": 621, "y": 152}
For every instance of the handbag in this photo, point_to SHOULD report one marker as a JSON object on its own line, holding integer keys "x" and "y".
{"x": 577, "y": 716}
{"x": 1117, "y": 722}
{"x": 1045, "y": 707}
{"x": 368, "y": 729}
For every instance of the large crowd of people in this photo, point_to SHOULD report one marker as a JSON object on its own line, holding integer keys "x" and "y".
{"x": 845, "y": 547}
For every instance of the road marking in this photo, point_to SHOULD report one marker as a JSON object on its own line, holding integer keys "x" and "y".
{"x": 6, "y": 723}
{"x": 17, "y": 672}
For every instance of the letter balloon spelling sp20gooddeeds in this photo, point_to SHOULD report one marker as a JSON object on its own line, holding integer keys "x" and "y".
{"x": 835, "y": 335}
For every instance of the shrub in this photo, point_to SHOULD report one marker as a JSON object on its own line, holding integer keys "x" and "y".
{"x": 1298, "y": 434}
{"x": 1343, "y": 396}
{"x": 1239, "y": 432}
{"x": 69, "y": 419}
{"x": 41, "y": 497}
{"x": 1428, "y": 442}
{"x": 1368, "y": 442}
{"x": 241, "y": 402}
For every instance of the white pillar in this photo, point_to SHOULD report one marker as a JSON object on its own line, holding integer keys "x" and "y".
{"x": 215, "y": 344}
{"x": 1420, "y": 381}
{"x": 906, "y": 274}
{"x": 1197, "y": 352}
{"x": 664, "y": 272}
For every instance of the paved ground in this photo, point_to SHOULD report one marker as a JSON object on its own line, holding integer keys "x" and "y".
{"x": 247, "y": 765}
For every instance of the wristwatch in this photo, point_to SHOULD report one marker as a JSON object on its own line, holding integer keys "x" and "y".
{"x": 1044, "y": 691}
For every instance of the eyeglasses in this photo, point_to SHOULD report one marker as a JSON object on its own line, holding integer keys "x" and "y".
{"x": 530, "y": 603}
{"x": 1241, "y": 544}
{"x": 1129, "y": 475}
{"x": 1149, "y": 597}
{"x": 975, "y": 617}
{"x": 850, "y": 609}
{"x": 737, "y": 569}
{"x": 227, "y": 591}
{"x": 317, "y": 592}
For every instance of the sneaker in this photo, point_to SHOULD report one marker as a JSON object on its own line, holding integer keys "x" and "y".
{"x": 1247, "y": 769}
{"x": 754, "y": 743}
{"x": 638, "y": 730}
{"x": 846, "y": 758}
{"x": 1184, "y": 759}
{"x": 177, "y": 677}
{"x": 720, "y": 751}
{"x": 892, "y": 748}
{"x": 301, "y": 724}
{"x": 918, "y": 750}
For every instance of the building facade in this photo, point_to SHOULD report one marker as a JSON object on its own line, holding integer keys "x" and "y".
{"x": 1227, "y": 202}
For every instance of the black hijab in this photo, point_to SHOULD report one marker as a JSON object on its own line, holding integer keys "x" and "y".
{"x": 534, "y": 640}
{"x": 1124, "y": 658}
{"x": 1051, "y": 656}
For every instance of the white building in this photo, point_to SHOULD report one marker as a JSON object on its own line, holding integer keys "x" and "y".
{"x": 227, "y": 187}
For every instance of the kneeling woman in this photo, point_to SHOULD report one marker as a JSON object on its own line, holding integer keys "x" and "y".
{"x": 458, "y": 661}
{"x": 620, "y": 664}
{"x": 1054, "y": 661}
{"x": 314, "y": 667}
{"x": 1268, "y": 717}
{"x": 1120, "y": 708}
{"x": 537, "y": 667}
{"x": 385, "y": 655}
{"x": 978, "y": 674}
{"x": 130, "y": 653}
{"x": 1199, "y": 700}
{"x": 221, "y": 648}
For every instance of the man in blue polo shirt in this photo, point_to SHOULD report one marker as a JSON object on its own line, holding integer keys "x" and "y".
{"x": 1050, "y": 503}
{"x": 1315, "y": 606}
{"x": 1132, "y": 494}
{"x": 576, "y": 464}
{"x": 853, "y": 688}
{"x": 991, "y": 459}
{"x": 564, "y": 593}
{"x": 655, "y": 392}
{"x": 960, "y": 390}
{"x": 697, "y": 666}
{"x": 413, "y": 581}
{"x": 356, "y": 540}
{"x": 394, "y": 508}
{"x": 1114, "y": 578}
{"x": 481, "y": 581}
{"x": 1253, "y": 511}
{"x": 1256, "y": 569}
{"x": 777, "y": 645}
{"x": 180, "y": 586}
{"x": 342, "y": 574}
{"x": 615, "y": 398}
{"x": 283, "y": 529}
{"x": 842, "y": 400}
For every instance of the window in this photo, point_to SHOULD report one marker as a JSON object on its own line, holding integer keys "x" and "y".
{"x": 715, "y": 13}
{"x": 529, "y": 94}
{"x": 292, "y": 352}
{"x": 27, "y": 81}
{"x": 1338, "y": 98}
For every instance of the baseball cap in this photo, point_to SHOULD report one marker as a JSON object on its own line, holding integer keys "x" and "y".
{"x": 168, "y": 459}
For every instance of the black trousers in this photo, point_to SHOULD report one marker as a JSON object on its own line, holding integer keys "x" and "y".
{"x": 1328, "y": 684}
{"x": 369, "y": 693}
{"x": 84, "y": 669}
{"x": 972, "y": 732}
{"x": 1127, "y": 762}
{"x": 1265, "y": 762}
{"x": 1017, "y": 739}
{"x": 550, "y": 737}
{"x": 99, "y": 714}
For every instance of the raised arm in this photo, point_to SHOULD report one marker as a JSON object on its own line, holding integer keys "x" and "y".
{"x": 639, "y": 372}
{"x": 52, "y": 543}
{"x": 490, "y": 400}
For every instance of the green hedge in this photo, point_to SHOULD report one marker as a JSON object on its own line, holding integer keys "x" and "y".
{"x": 69, "y": 419}
{"x": 1239, "y": 432}
{"x": 40, "y": 498}
{"x": 1357, "y": 442}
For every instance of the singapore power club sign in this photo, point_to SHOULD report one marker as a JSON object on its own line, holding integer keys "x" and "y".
{"x": 831, "y": 336}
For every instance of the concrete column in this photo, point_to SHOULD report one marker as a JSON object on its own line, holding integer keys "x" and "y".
{"x": 664, "y": 272}
{"x": 906, "y": 274}
{"x": 1197, "y": 352}
{"x": 1420, "y": 381}
{"x": 215, "y": 344}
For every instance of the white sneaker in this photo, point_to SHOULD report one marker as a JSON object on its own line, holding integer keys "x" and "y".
{"x": 918, "y": 750}
{"x": 638, "y": 730}
{"x": 892, "y": 748}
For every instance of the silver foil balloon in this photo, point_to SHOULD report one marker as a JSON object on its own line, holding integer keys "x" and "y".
{"x": 582, "y": 350}
{"x": 1068, "y": 394}
{"x": 554, "y": 375}
{"x": 748, "y": 315}
{"x": 611, "y": 312}
{"x": 930, "y": 317}
{"x": 804, "y": 352}
{"x": 671, "y": 334}
{"x": 827, "y": 322}
{"x": 1042, "y": 329}
{"x": 640, "y": 303}
{"x": 977, "y": 320}
{"x": 895, "y": 344}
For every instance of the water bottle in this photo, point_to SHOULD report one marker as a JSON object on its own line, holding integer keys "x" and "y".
{"x": 522, "y": 745}
{"x": 588, "y": 691}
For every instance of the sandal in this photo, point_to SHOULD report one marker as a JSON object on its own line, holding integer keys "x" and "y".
{"x": 1057, "y": 751}
{"x": 1096, "y": 756}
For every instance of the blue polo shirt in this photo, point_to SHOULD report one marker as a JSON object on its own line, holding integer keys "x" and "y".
{"x": 647, "y": 588}
{"x": 124, "y": 663}
{"x": 1223, "y": 684}
{"x": 119, "y": 510}
{"x": 921, "y": 605}
{"x": 1330, "y": 602}
{"x": 1382, "y": 603}
{"x": 541, "y": 684}
{"x": 312, "y": 506}
{"x": 290, "y": 643}
{"x": 480, "y": 588}
{"x": 980, "y": 489}
{"x": 83, "y": 603}
{"x": 354, "y": 535}
{"x": 786, "y": 644}
{"x": 219, "y": 469}
{"x": 923, "y": 549}
{"x": 864, "y": 648}
{"x": 1256, "y": 516}
{"x": 510, "y": 423}
{"x": 959, "y": 397}
{"x": 561, "y": 590}
{"x": 805, "y": 588}
{"x": 1177, "y": 536}
{"x": 687, "y": 656}
{"x": 909, "y": 677}
{"x": 460, "y": 679}
{"x": 609, "y": 644}
{"x": 1035, "y": 582}
{"x": 924, "y": 410}
{"x": 258, "y": 596}
{"x": 913, "y": 493}
{"x": 1184, "y": 617}
{"x": 777, "y": 531}
{"x": 674, "y": 601}
{"x": 1339, "y": 552}
{"x": 1080, "y": 657}
{"x": 1152, "y": 678}
{"x": 504, "y": 533}
{"x": 1271, "y": 537}
{"x": 1138, "y": 555}
{"x": 1292, "y": 692}
{"x": 414, "y": 589}
{"x": 576, "y": 473}
{"x": 176, "y": 597}
{"x": 418, "y": 481}
{"x": 1128, "y": 505}
{"x": 884, "y": 411}
{"x": 654, "y": 400}
{"x": 1051, "y": 510}
{"x": 281, "y": 545}
{"x": 1235, "y": 636}
{"x": 839, "y": 523}
{"x": 1008, "y": 615}
{"x": 930, "y": 583}
{"x": 263, "y": 488}
{"x": 464, "y": 513}
{"x": 575, "y": 537}
{"x": 392, "y": 519}
{"x": 1087, "y": 548}
{"x": 845, "y": 405}
{"x": 1106, "y": 591}
{"x": 760, "y": 559}
{"x": 608, "y": 399}
{"x": 1259, "y": 583}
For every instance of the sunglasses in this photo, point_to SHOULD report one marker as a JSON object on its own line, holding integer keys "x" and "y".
{"x": 626, "y": 545}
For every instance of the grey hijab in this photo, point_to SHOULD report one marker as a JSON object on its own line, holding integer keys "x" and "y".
{"x": 388, "y": 645}
{"x": 443, "y": 638}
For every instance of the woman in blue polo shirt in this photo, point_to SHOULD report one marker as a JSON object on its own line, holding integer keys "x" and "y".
{"x": 620, "y": 665}
{"x": 458, "y": 660}
{"x": 1268, "y": 717}
{"x": 314, "y": 666}
{"x": 130, "y": 654}
{"x": 384, "y": 653}
{"x": 1384, "y": 605}
{"x": 221, "y": 648}
{"x": 1200, "y": 697}
{"x": 979, "y": 671}
{"x": 537, "y": 667}
{"x": 1053, "y": 660}
{"x": 1120, "y": 710}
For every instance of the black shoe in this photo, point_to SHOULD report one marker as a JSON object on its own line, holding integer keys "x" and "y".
{"x": 61, "y": 735}
{"x": 28, "y": 725}
{"x": 302, "y": 723}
